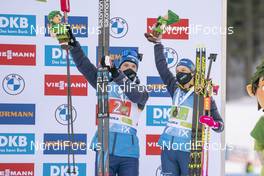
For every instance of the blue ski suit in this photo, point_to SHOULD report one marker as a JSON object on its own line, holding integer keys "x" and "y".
{"x": 123, "y": 141}
{"x": 176, "y": 137}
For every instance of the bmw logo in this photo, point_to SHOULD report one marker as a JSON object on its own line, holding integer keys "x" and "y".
{"x": 119, "y": 27}
{"x": 158, "y": 171}
{"x": 61, "y": 114}
{"x": 171, "y": 57}
{"x": 13, "y": 84}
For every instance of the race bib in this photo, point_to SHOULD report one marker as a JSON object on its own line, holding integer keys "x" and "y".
{"x": 180, "y": 113}
{"x": 119, "y": 107}
{"x": 120, "y": 111}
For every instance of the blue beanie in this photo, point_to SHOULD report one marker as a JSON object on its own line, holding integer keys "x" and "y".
{"x": 129, "y": 56}
{"x": 187, "y": 63}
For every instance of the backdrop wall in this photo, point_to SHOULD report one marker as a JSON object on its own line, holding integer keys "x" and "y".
{"x": 32, "y": 72}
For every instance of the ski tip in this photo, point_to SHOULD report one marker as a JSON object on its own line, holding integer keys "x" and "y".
{"x": 200, "y": 47}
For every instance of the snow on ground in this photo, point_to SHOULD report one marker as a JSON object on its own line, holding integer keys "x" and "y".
{"x": 241, "y": 117}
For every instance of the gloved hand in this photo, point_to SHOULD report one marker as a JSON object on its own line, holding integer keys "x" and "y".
{"x": 106, "y": 62}
{"x": 209, "y": 121}
{"x": 154, "y": 36}
{"x": 72, "y": 41}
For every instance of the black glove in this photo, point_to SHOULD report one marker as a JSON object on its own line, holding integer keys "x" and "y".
{"x": 114, "y": 72}
{"x": 106, "y": 62}
{"x": 72, "y": 41}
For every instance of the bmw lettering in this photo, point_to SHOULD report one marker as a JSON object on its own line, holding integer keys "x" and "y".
{"x": 13, "y": 84}
{"x": 60, "y": 169}
{"x": 20, "y": 114}
{"x": 61, "y": 114}
{"x": 171, "y": 57}
{"x": 119, "y": 27}
{"x": 158, "y": 115}
{"x": 55, "y": 56}
{"x": 79, "y": 26}
{"x": 13, "y": 143}
{"x": 17, "y": 25}
{"x": 60, "y": 143}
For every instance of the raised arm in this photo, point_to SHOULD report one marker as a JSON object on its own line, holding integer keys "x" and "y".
{"x": 84, "y": 65}
{"x": 167, "y": 77}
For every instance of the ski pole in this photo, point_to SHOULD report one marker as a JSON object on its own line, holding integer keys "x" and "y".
{"x": 65, "y": 8}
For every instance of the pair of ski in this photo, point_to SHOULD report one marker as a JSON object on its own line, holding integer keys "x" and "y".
{"x": 102, "y": 82}
{"x": 203, "y": 89}
{"x": 102, "y": 94}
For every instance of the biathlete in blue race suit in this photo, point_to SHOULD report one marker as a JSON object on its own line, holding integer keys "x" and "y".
{"x": 176, "y": 138}
{"x": 127, "y": 99}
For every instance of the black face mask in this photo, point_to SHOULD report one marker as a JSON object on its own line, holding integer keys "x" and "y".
{"x": 130, "y": 74}
{"x": 183, "y": 78}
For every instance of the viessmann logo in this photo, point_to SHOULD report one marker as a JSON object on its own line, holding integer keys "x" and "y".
{"x": 57, "y": 85}
{"x": 152, "y": 147}
{"x": 179, "y": 30}
{"x": 16, "y": 169}
{"x": 11, "y": 54}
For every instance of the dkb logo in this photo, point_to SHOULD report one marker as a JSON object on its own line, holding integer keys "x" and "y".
{"x": 17, "y": 25}
{"x": 17, "y": 143}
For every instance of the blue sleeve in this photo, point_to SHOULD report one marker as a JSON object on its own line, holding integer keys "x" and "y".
{"x": 167, "y": 77}
{"x": 135, "y": 92}
{"x": 84, "y": 65}
{"x": 216, "y": 116}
